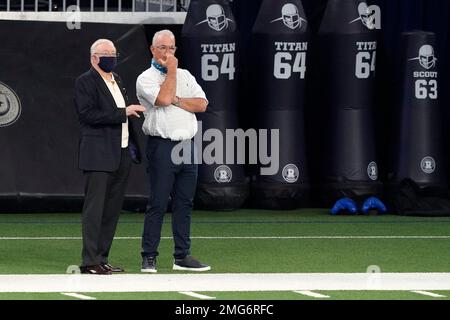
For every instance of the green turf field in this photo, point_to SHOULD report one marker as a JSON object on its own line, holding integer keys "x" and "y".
{"x": 243, "y": 241}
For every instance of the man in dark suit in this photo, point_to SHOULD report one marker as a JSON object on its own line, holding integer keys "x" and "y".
{"x": 107, "y": 147}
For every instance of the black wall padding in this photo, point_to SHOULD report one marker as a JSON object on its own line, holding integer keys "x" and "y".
{"x": 39, "y": 152}
{"x": 346, "y": 66}
{"x": 279, "y": 51}
{"x": 210, "y": 53}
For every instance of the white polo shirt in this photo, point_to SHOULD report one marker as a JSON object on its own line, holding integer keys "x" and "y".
{"x": 169, "y": 122}
{"x": 120, "y": 102}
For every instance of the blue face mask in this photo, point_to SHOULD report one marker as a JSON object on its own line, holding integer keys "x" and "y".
{"x": 107, "y": 64}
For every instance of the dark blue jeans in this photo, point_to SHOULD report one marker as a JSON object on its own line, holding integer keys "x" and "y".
{"x": 168, "y": 179}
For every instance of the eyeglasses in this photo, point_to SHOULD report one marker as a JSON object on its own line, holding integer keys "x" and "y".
{"x": 164, "y": 48}
{"x": 107, "y": 54}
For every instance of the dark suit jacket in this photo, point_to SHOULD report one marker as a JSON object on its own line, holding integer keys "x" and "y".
{"x": 101, "y": 124}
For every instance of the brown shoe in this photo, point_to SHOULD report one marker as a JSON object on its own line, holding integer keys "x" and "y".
{"x": 112, "y": 268}
{"x": 97, "y": 269}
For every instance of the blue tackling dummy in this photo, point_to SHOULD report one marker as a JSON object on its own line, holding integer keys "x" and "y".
{"x": 349, "y": 205}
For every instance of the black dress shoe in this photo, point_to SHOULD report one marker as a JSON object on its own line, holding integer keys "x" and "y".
{"x": 111, "y": 268}
{"x": 97, "y": 269}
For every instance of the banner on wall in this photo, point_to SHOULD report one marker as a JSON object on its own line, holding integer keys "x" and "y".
{"x": 38, "y": 122}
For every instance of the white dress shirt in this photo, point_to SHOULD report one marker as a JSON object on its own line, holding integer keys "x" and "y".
{"x": 120, "y": 102}
{"x": 169, "y": 122}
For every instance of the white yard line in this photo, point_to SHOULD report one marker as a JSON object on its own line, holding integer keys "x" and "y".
{"x": 78, "y": 296}
{"x": 312, "y": 294}
{"x": 318, "y": 237}
{"x": 430, "y": 294}
{"x": 196, "y": 295}
{"x": 210, "y": 282}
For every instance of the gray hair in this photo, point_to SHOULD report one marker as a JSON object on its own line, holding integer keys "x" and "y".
{"x": 99, "y": 42}
{"x": 162, "y": 33}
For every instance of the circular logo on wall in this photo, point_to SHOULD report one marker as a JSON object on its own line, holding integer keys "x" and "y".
{"x": 223, "y": 174}
{"x": 428, "y": 165}
{"x": 290, "y": 173}
{"x": 372, "y": 171}
{"x": 9, "y": 106}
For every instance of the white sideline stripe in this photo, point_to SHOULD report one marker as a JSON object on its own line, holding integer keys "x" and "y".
{"x": 243, "y": 237}
{"x": 196, "y": 295}
{"x": 312, "y": 294}
{"x": 231, "y": 282}
{"x": 77, "y": 295}
{"x": 430, "y": 294}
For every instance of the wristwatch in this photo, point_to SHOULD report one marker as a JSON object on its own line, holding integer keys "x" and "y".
{"x": 177, "y": 102}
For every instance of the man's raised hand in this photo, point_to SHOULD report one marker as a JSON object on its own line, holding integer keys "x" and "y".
{"x": 170, "y": 62}
{"x": 132, "y": 110}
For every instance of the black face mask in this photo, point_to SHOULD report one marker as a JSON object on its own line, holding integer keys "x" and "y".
{"x": 107, "y": 64}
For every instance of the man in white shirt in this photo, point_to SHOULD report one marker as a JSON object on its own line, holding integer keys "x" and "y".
{"x": 171, "y": 97}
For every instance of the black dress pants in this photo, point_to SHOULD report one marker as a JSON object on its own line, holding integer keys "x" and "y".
{"x": 169, "y": 179}
{"x": 104, "y": 195}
